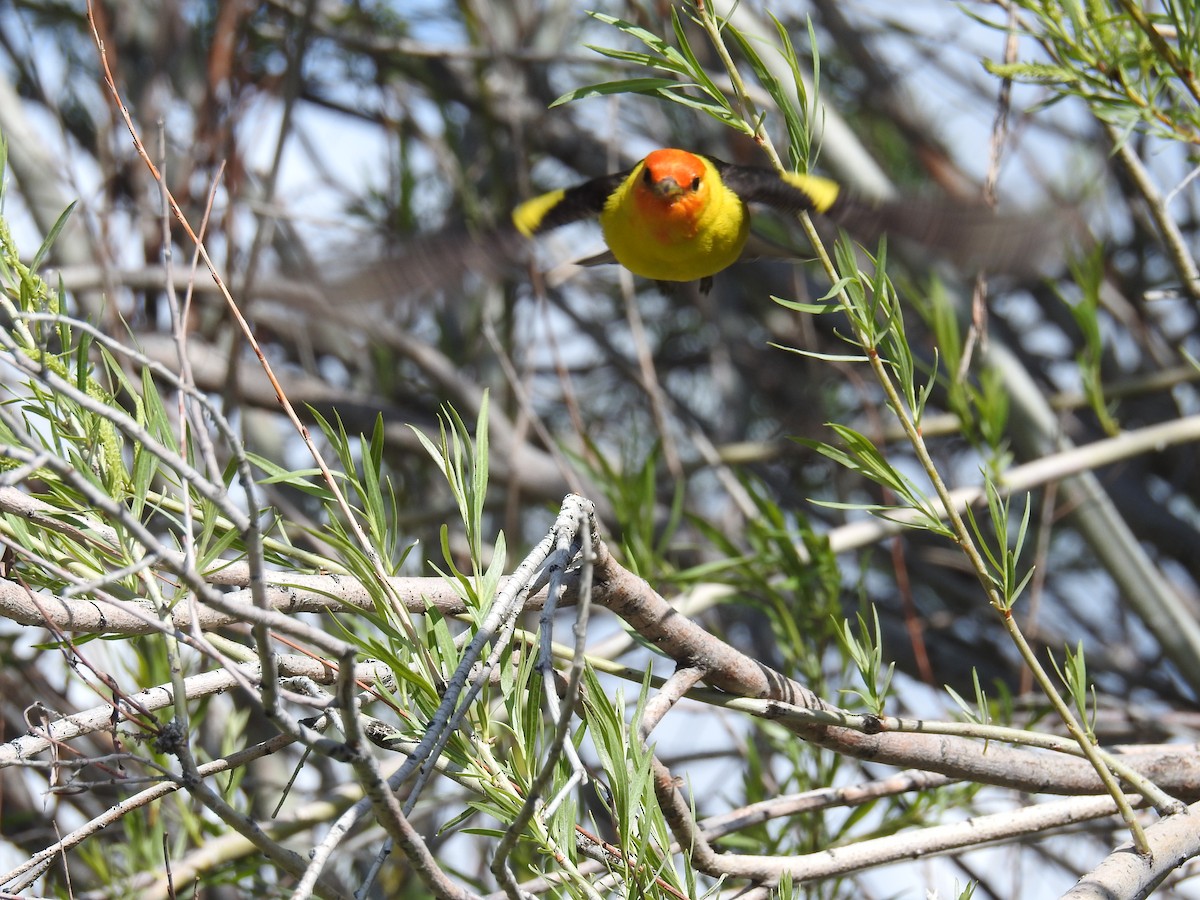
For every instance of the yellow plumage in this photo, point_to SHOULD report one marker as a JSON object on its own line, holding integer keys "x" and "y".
{"x": 681, "y": 224}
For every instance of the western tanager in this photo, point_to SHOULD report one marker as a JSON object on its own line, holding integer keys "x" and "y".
{"x": 680, "y": 216}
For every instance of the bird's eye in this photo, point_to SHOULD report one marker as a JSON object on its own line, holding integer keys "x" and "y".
{"x": 696, "y": 183}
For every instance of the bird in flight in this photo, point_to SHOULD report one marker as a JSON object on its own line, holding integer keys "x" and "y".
{"x": 682, "y": 216}
{"x": 678, "y": 216}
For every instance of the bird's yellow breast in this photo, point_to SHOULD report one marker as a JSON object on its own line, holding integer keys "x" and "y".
{"x": 685, "y": 239}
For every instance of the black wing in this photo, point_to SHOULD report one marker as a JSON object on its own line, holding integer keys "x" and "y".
{"x": 970, "y": 235}
{"x": 563, "y": 207}
{"x": 804, "y": 193}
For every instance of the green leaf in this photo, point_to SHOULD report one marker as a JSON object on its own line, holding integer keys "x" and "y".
{"x": 813, "y": 354}
{"x": 961, "y": 703}
{"x": 669, "y": 55}
{"x": 57, "y": 227}
{"x": 815, "y": 309}
{"x": 626, "y": 86}
{"x": 694, "y": 67}
{"x": 1042, "y": 73}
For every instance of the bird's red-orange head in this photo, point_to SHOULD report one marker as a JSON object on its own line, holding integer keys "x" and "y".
{"x": 672, "y": 186}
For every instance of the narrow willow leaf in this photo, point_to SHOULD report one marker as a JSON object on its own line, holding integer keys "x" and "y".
{"x": 628, "y": 86}
{"x": 51, "y": 237}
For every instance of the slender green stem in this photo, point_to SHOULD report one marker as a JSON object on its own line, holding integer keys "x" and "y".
{"x": 1095, "y": 755}
{"x": 1168, "y": 229}
{"x": 750, "y": 112}
{"x": 1105, "y": 764}
{"x": 1102, "y": 762}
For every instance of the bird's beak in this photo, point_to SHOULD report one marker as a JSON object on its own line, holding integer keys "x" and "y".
{"x": 667, "y": 188}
